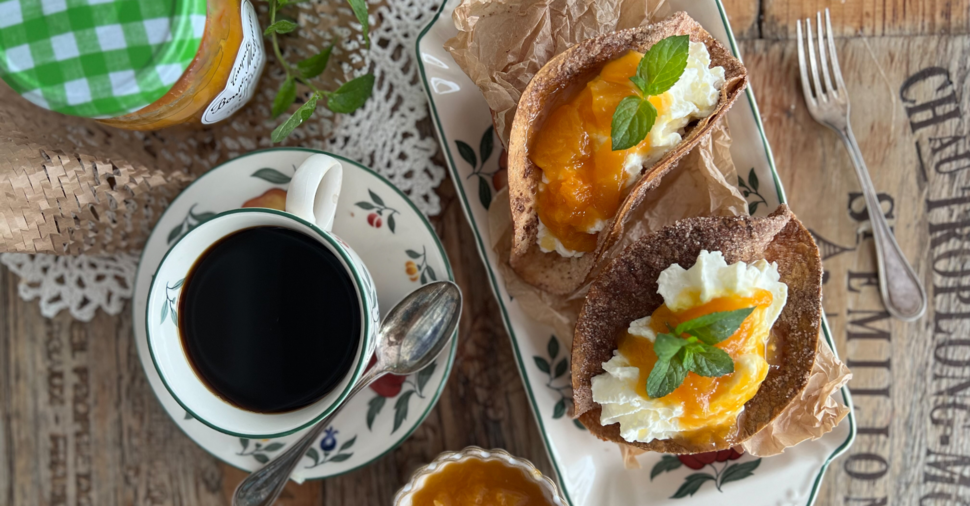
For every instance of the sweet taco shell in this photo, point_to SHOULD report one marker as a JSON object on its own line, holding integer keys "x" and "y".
{"x": 627, "y": 290}
{"x": 557, "y": 81}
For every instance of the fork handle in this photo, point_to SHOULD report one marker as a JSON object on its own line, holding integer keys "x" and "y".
{"x": 902, "y": 292}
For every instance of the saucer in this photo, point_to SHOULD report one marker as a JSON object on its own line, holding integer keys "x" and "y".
{"x": 400, "y": 249}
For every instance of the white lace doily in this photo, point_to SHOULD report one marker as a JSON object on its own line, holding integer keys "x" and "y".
{"x": 382, "y": 135}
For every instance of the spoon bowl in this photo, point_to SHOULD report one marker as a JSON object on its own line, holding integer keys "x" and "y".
{"x": 411, "y": 336}
{"x": 432, "y": 310}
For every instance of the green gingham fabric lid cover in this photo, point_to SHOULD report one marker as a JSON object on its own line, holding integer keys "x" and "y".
{"x": 97, "y": 58}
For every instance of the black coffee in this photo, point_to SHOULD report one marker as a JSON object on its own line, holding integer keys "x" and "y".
{"x": 269, "y": 319}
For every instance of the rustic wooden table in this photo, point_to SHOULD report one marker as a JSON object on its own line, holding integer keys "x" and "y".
{"x": 79, "y": 425}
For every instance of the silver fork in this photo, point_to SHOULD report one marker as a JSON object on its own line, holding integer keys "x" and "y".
{"x": 902, "y": 292}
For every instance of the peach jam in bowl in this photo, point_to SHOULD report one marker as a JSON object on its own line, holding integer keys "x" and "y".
{"x": 476, "y": 476}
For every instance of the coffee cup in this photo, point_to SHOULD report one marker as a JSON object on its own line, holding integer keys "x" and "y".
{"x": 172, "y": 337}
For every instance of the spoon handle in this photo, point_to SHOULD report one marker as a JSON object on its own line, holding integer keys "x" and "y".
{"x": 262, "y": 487}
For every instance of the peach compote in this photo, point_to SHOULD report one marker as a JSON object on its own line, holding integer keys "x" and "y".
{"x": 700, "y": 396}
{"x": 583, "y": 180}
{"x": 474, "y": 481}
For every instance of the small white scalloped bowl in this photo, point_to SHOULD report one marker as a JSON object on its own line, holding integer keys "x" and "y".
{"x": 548, "y": 486}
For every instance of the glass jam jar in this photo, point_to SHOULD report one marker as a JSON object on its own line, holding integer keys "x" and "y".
{"x": 134, "y": 64}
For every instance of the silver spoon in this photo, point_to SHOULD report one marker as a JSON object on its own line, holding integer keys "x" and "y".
{"x": 410, "y": 337}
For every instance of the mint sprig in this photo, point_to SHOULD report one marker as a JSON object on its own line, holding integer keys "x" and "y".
{"x": 659, "y": 69}
{"x": 676, "y": 356}
{"x": 345, "y": 99}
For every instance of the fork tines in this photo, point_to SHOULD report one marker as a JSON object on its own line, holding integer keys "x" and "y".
{"x": 829, "y": 92}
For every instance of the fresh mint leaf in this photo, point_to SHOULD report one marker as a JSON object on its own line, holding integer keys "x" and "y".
{"x": 663, "y": 64}
{"x": 706, "y": 360}
{"x": 632, "y": 120}
{"x": 295, "y": 120}
{"x": 715, "y": 327}
{"x": 351, "y": 95}
{"x": 640, "y": 83}
{"x": 665, "y": 377}
{"x": 666, "y": 346}
{"x": 284, "y": 97}
{"x": 281, "y": 26}
{"x": 314, "y": 65}
{"x": 360, "y": 10}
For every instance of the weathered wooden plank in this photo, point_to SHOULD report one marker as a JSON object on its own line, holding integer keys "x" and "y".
{"x": 906, "y": 416}
{"x": 743, "y": 16}
{"x": 869, "y": 18}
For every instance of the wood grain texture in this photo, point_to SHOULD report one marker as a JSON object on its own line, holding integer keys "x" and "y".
{"x": 905, "y": 413}
{"x": 79, "y": 424}
{"x": 868, "y": 18}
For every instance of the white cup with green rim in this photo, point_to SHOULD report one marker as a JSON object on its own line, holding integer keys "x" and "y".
{"x": 310, "y": 207}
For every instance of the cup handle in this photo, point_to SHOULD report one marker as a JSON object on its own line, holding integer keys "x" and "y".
{"x": 314, "y": 190}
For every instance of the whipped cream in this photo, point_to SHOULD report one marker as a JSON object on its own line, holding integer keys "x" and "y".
{"x": 694, "y": 96}
{"x": 643, "y": 419}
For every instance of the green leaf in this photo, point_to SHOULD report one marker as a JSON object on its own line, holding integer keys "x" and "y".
{"x": 484, "y": 192}
{"x": 430, "y": 272}
{"x": 753, "y": 207}
{"x": 283, "y": 3}
{"x": 262, "y": 459}
{"x": 424, "y": 278}
{"x": 667, "y": 463}
{"x": 390, "y": 223}
{"x": 164, "y": 310}
{"x": 272, "y": 447}
{"x": 559, "y": 409}
{"x": 713, "y": 328}
{"x": 708, "y": 361}
{"x": 188, "y": 416}
{"x": 553, "y": 347}
{"x": 367, "y": 206}
{"x": 753, "y": 179}
{"x": 374, "y": 407}
{"x": 542, "y": 364}
{"x": 413, "y": 254}
{"x": 739, "y": 471}
{"x": 467, "y": 153}
{"x": 401, "y": 409}
{"x": 376, "y": 198}
{"x": 561, "y": 368}
{"x": 579, "y": 425}
{"x": 424, "y": 375}
{"x": 351, "y": 95}
{"x": 314, "y": 455}
{"x": 691, "y": 484}
{"x": 314, "y": 65}
{"x": 272, "y": 175}
{"x": 741, "y": 182}
{"x": 664, "y": 63}
{"x": 486, "y": 145}
{"x": 665, "y": 377}
{"x": 360, "y": 10}
{"x": 178, "y": 284}
{"x": 284, "y": 97}
{"x": 341, "y": 457}
{"x": 244, "y": 442}
{"x": 281, "y": 26}
{"x": 632, "y": 121}
{"x": 175, "y": 233}
{"x": 350, "y": 442}
{"x": 296, "y": 119}
{"x": 666, "y": 346}
{"x": 202, "y": 218}
{"x": 640, "y": 83}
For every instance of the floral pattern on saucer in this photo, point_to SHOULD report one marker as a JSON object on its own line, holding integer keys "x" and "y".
{"x": 259, "y": 180}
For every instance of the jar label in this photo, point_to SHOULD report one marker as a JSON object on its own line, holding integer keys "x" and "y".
{"x": 245, "y": 70}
